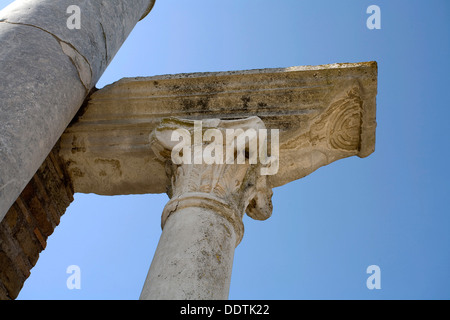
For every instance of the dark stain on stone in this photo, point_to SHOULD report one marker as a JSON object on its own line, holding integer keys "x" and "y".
{"x": 76, "y": 172}
{"x": 187, "y": 105}
{"x": 77, "y": 146}
{"x": 203, "y": 104}
{"x": 83, "y": 107}
{"x": 245, "y": 101}
{"x": 262, "y": 104}
{"x": 112, "y": 163}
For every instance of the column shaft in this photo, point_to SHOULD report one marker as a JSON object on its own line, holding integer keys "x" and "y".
{"x": 194, "y": 257}
{"x": 46, "y": 72}
{"x": 202, "y": 223}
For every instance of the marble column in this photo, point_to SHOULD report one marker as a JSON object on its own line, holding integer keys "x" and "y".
{"x": 46, "y": 71}
{"x": 202, "y": 222}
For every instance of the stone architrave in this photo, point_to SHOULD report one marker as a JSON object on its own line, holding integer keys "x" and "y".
{"x": 324, "y": 113}
{"x": 46, "y": 72}
{"x": 202, "y": 222}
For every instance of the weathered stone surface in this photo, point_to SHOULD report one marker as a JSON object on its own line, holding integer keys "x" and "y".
{"x": 324, "y": 113}
{"x": 47, "y": 70}
{"x": 231, "y": 189}
{"x": 194, "y": 257}
{"x": 202, "y": 222}
{"x": 105, "y": 25}
{"x": 30, "y": 221}
{"x": 10, "y": 277}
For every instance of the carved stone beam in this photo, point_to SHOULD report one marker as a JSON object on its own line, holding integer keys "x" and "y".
{"x": 323, "y": 113}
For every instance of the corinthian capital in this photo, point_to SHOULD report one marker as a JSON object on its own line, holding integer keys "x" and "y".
{"x": 216, "y": 164}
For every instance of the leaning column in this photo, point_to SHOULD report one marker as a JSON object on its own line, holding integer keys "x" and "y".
{"x": 46, "y": 71}
{"x": 202, "y": 222}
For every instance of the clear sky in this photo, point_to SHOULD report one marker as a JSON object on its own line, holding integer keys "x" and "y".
{"x": 390, "y": 209}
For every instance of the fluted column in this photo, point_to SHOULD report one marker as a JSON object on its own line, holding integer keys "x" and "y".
{"x": 202, "y": 222}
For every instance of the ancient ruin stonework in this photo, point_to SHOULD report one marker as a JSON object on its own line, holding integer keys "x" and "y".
{"x": 59, "y": 135}
{"x": 30, "y": 221}
{"x": 47, "y": 71}
{"x": 324, "y": 113}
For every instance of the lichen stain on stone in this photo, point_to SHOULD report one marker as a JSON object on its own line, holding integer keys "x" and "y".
{"x": 262, "y": 104}
{"x": 109, "y": 164}
{"x": 245, "y": 101}
{"x": 76, "y": 172}
{"x": 77, "y": 146}
{"x": 187, "y": 105}
{"x": 203, "y": 252}
{"x": 227, "y": 230}
{"x": 203, "y": 104}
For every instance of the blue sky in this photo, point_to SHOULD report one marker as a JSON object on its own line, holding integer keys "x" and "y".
{"x": 390, "y": 209}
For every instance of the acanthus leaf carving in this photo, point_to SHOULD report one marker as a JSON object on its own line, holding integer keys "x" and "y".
{"x": 231, "y": 188}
